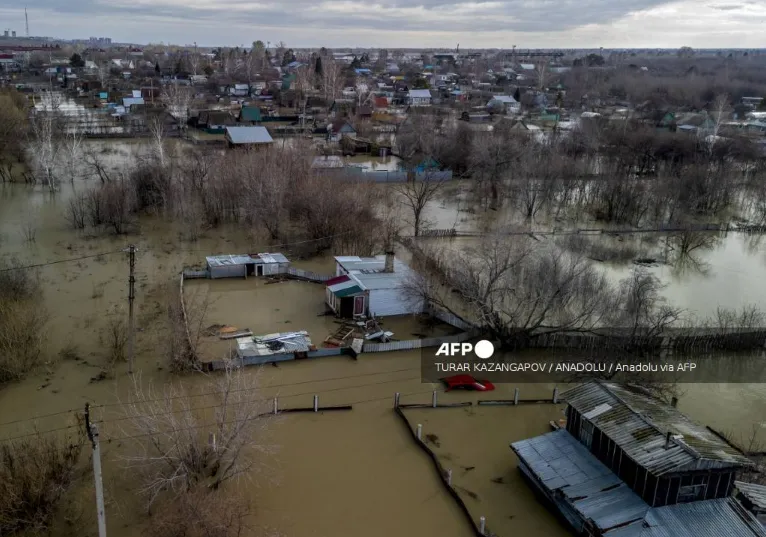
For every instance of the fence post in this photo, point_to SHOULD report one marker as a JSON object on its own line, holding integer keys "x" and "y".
{"x": 396, "y": 400}
{"x": 420, "y": 431}
{"x": 433, "y": 399}
{"x": 276, "y": 405}
{"x": 316, "y": 403}
{"x": 449, "y": 477}
{"x": 555, "y": 395}
{"x": 515, "y": 396}
{"x": 482, "y": 525}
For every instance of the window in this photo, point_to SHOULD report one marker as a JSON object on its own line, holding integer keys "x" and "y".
{"x": 691, "y": 493}
{"x": 586, "y": 433}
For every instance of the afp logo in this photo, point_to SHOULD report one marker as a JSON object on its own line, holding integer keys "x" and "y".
{"x": 483, "y": 349}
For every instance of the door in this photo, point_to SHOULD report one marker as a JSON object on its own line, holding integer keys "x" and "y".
{"x": 260, "y": 270}
{"x": 359, "y": 305}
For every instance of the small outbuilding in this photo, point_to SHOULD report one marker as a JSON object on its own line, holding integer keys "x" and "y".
{"x": 242, "y": 266}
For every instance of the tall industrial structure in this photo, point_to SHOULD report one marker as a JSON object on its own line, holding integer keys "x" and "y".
{"x": 26, "y": 19}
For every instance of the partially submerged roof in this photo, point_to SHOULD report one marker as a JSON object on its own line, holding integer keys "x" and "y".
{"x": 570, "y": 472}
{"x": 756, "y": 494}
{"x": 369, "y": 271}
{"x": 331, "y": 161}
{"x": 505, "y": 99}
{"x": 248, "y": 135}
{"x": 270, "y": 344}
{"x": 563, "y": 464}
{"x": 639, "y": 424}
{"x": 245, "y": 259}
{"x": 709, "y": 518}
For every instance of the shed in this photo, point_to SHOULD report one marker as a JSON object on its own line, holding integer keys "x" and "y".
{"x": 242, "y": 266}
{"x": 244, "y": 136}
{"x": 127, "y": 102}
{"x": 346, "y": 296}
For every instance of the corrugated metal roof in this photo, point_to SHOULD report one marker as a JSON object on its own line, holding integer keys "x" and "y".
{"x": 638, "y": 424}
{"x": 249, "y": 135}
{"x": 369, "y": 272}
{"x": 228, "y": 260}
{"x": 755, "y": 493}
{"x": 273, "y": 258}
{"x": 723, "y": 517}
{"x": 562, "y": 463}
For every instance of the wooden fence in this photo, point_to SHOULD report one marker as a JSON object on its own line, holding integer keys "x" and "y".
{"x": 306, "y": 275}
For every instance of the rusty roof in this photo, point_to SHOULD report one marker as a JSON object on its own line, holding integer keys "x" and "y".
{"x": 639, "y": 423}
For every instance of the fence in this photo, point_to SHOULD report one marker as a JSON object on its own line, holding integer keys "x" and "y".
{"x": 307, "y": 275}
{"x": 358, "y": 174}
{"x": 411, "y": 344}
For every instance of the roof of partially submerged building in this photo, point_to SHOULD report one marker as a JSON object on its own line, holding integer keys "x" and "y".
{"x": 756, "y": 494}
{"x": 245, "y": 259}
{"x": 369, "y": 271}
{"x": 249, "y": 135}
{"x": 569, "y": 471}
{"x": 709, "y": 518}
{"x": 639, "y": 423}
{"x": 563, "y": 464}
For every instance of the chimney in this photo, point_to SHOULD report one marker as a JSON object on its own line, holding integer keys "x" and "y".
{"x": 674, "y": 402}
{"x": 389, "y": 266}
{"x": 667, "y": 440}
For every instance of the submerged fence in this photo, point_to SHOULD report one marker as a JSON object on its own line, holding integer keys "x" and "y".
{"x": 394, "y": 176}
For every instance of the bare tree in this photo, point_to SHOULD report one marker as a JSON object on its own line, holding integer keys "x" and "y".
{"x": 720, "y": 108}
{"x": 645, "y": 311}
{"x": 177, "y": 99}
{"x": 415, "y": 195}
{"x": 331, "y": 80}
{"x": 541, "y": 74}
{"x": 45, "y": 141}
{"x": 517, "y": 290}
{"x": 72, "y": 148}
{"x": 179, "y": 448}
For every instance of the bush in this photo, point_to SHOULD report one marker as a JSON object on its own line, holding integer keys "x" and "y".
{"x": 22, "y": 322}
{"x": 35, "y": 474}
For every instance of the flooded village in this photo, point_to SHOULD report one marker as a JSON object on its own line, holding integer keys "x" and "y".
{"x": 221, "y": 270}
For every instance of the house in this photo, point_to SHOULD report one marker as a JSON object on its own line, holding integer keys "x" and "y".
{"x": 242, "y": 266}
{"x": 371, "y": 286}
{"x": 629, "y": 465}
{"x": 248, "y": 136}
{"x": 339, "y": 128}
{"x": 419, "y": 97}
{"x": 752, "y": 102}
{"x": 506, "y": 103}
{"x": 250, "y": 114}
{"x": 342, "y": 107}
{"x": 380, "y": 103}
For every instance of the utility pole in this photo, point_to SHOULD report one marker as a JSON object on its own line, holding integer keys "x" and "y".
{"x": 131, "y": 298}
{"x": 92, "y": 430}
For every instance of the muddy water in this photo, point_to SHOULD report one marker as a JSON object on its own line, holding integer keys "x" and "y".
{"x": 335, "y": 474}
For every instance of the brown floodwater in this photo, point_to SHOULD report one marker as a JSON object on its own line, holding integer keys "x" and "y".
{"x": 345, "y": 473}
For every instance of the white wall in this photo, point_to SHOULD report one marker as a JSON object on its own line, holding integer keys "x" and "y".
{"x": 392, "y": 302}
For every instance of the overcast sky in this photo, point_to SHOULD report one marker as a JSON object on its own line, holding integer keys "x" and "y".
{"x": 398, "y": 23}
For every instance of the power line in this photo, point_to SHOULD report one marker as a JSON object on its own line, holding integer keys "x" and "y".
{"x": 170, "y": 412}
{"x": 68, "y": 260}
{"x": 106, "y": 405}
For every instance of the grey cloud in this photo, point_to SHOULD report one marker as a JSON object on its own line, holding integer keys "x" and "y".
{"x": 726, "y": 7}
{"x": 510, "y": 15}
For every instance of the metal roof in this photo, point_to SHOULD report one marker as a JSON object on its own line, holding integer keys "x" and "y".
{"x": 503, "y": 99}
{"x": 272, "y": 258}
{"x": 249, "y": 135}
{"x": 755, "y": 493}
{"x": 639, "y": 424}
{"x": 723, "y": 517}
{"x": 228, "y": 260}
{"x": 563, "y": 464}
{"x": 419, "y": 93}
{"x": 244, "y": 259}
{"x": 369, "y": 272}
